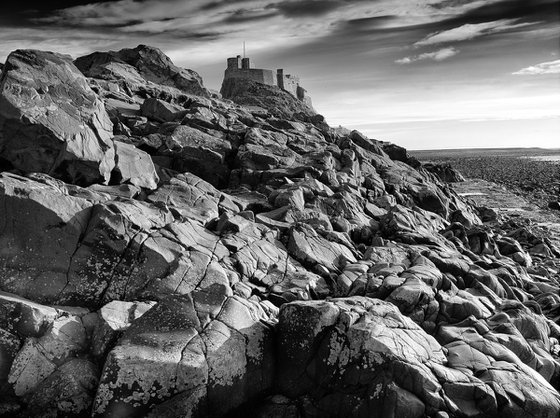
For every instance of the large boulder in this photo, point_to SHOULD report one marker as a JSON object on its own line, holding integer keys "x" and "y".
{"x": 48, "y": 368}
{"x": 263, "y": 261}
{"x": 316, "y": 252}
{"x": 169, "y": 363}
{"x": 361, "y": 357}
{"x": 134, "y": 166}
{"x": 42, "y": 225}
{"x": 326, "y": 347}
{"x": 203, "y": 154}
{"x": 264, "y": 150}
{"x": 190, "y": 196}
{"x": 161, "y": 111}
{"x": 51, "y": 121}
{"x": 91, "y": 251}
{"x": 81, "y": 239}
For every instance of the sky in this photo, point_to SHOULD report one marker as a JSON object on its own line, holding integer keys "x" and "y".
{"x": 424, "y": 74}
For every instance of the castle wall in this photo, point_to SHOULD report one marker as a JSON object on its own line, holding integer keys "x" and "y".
{"x": 290, "y": 84}
{"x": 238, "y": 67}
{"x": 255, "y": 74}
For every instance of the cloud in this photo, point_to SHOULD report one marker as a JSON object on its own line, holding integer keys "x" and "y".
{"x": 248, "y": 15}
{"x": 489, "y": 11}
{"x": 307, "y": 7}
{"x": 446, "y": 4}
{"x": 439, "y": 55}
{"x": 121, "y": 12}
{"x": 73, "y": 43}
{"x": 550, "y": 67}
{"x": 470, "y": 31}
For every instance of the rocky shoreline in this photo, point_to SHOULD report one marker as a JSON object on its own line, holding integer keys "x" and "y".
{"x": 533, "y": 173}
{"x": 167, "y": 252}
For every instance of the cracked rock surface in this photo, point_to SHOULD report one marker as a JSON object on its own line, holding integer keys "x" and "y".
{"x": 165, "y": 252}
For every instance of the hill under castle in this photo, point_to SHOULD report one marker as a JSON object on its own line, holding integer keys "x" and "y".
{"x": 241, "y": 69}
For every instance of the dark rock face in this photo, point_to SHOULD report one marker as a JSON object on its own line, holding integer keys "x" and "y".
{"x": 51, "y": 121}
{"x": 247, "y": 261}
{"x": 396, "y": 153}
{"x": 445, "y": 173}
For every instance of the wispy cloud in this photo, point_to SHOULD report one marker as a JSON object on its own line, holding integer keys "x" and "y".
{"x": 122, "y": 12}
{"x": 301, "y": 8}
{"x": 58, "y": 40}
{"x": 439, "y": 55}
{"x": 471, "y": 31}
{"x": 452, "y": 48}
{"x": 550, "y": 67}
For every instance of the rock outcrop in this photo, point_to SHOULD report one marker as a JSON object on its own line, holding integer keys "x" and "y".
{"x": 51, "y": 121}
{"x": 139, "y": 73}
{"x": 243, "y": 261}
{"x": 261, "y": 96}
{"x": 445, "y": 172}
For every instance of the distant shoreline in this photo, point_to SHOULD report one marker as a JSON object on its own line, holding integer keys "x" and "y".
{"x": 531, "y": 172}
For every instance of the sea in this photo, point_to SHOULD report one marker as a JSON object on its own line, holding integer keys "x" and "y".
{"x": 548, "y": 158}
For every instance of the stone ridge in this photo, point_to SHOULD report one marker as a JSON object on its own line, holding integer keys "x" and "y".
{"x": 246, "y": 259}
{"x": 145, "y": 71}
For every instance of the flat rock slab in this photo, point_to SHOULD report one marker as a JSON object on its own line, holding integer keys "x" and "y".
{"x": 504, "y": 201}
{"x": 492, "y": 195}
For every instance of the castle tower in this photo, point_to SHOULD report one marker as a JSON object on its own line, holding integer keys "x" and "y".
{"x": 234, "y": 63}
{"x": 280, "y": 77}
{"x": 246, "y": 63}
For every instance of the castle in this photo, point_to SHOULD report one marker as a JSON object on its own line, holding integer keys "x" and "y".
{"x": 238, "y": 67}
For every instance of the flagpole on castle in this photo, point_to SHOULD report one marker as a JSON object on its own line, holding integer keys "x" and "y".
{"x": 243, "y": 49}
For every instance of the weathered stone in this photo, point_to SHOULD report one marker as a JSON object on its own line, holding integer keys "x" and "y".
{"x": 24, "y": 317}
{"x": 310, "y": 248}
{"x": 356, "y": 341}
{"x": 167, "y": 361}
{"x": 69, "y": 391}
{"x": 51, "y": 121}
{"x": 199, "y": 153}
{"x": 264, "y": 150}
{"x": 190, "y": 196}
{"x": 265, "y": 261}
{"x": 65, "y": 337}
{"x": 9, "y": 347}
{"x": 28, "y": 207}
{"x": 142, "y": 70}
{"x": 29, "y": 368}
{"x": 134, "y": 166}
{"x": 445, "y": 172}
{"x": 113, "y": 319}
{"x": 161, "y": 111}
